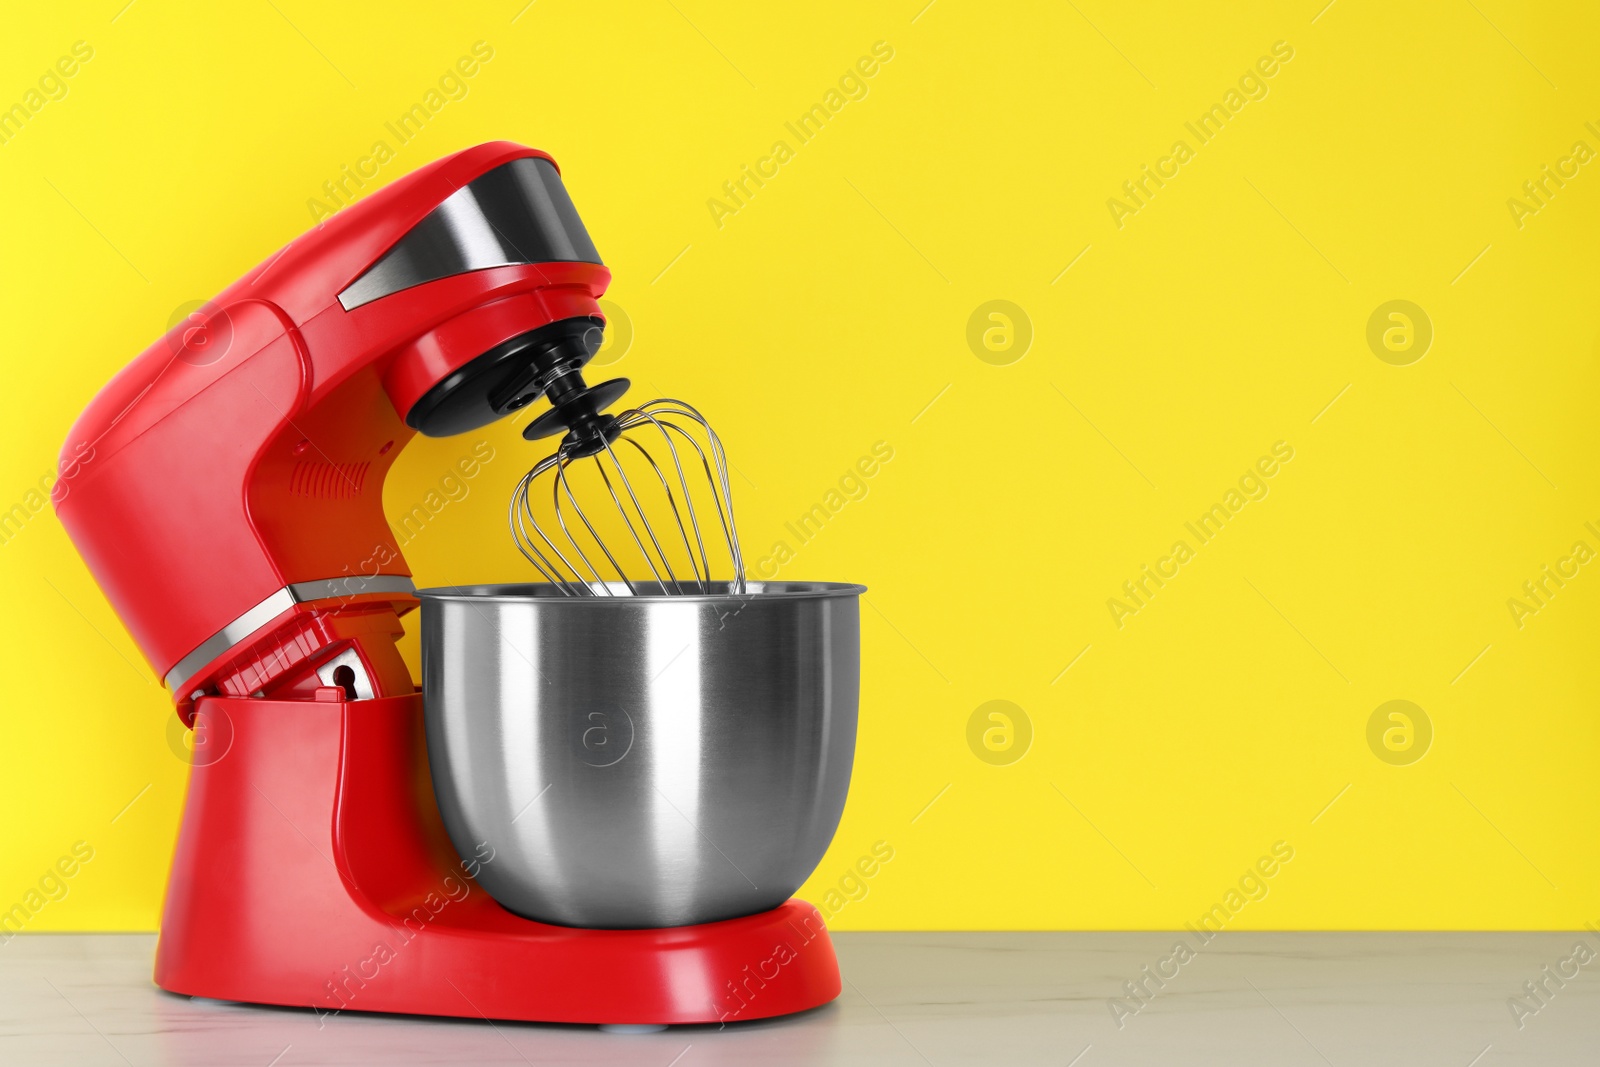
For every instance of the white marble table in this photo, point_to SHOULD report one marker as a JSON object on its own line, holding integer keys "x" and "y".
{"x": 913, "y": 999}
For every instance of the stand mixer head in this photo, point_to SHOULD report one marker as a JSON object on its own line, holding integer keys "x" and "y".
{"x": 227, "y": 494}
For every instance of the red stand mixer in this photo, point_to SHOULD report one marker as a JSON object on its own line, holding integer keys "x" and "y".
{"x": 225, "y": 491}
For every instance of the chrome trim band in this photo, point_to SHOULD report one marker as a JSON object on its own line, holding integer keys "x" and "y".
{"x": 276, "y": 604}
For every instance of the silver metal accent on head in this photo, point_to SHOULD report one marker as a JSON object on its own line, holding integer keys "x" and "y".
{"x": 575, "y": 557}
{"x": 518, "y": 212}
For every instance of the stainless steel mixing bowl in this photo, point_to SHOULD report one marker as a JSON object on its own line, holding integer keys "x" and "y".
{"x": 641, "y": 761}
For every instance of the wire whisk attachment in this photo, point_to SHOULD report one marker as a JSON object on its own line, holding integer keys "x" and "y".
{"x": 658, "y": 491}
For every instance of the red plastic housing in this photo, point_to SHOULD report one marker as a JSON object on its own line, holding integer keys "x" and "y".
{"x": 313, "y": 870}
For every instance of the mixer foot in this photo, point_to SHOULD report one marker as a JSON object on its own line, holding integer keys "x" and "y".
{"x": 632, "y": 1028}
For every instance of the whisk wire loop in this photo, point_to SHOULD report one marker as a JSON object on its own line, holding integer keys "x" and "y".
{"x": 574, "y": 556}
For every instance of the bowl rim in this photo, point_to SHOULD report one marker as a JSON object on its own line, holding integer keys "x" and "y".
{"x": 545, "y": 593}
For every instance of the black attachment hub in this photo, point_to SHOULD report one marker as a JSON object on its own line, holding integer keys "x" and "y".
{"x": 507, "y": 377}
{"x": 580, "y": 410}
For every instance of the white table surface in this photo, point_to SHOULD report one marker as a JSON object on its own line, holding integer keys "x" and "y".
{"x": 909, "y": 998}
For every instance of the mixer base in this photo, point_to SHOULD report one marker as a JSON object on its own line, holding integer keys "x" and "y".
{"x": 312, "y": 870}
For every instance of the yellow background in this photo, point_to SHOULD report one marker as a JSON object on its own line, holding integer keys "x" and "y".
{"x": 1231, "y": 712}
